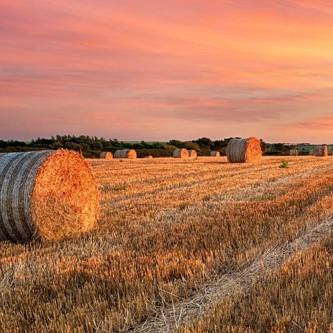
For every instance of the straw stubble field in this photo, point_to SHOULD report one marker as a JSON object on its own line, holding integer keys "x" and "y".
{"x": 170, "y": 228}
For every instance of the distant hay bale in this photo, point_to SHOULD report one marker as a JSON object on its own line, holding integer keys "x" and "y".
{"x": 294, "y": 152}
{"x": 125, "y": 153}
{"x": 107, "y": 155}
{"x": 215, "y": 153}
{"x": 192, "y": 153}
{"x": 149, "y": 156}
{"x": 47, "y": 195}
{"x": 244, "y": 150}
{"x": 180, "y": 153}
{"x": 117, "y": 154}
{"x": 321, "y": 151}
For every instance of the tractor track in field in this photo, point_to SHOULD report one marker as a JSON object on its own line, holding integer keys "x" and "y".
{"x": 170, "y": 318}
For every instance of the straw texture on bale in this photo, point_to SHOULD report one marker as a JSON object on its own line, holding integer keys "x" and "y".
{"x": 294, "y": 152}
{"x": 215, "y": 153}
{"x": 321, "y": 151}
{"x": 46, "y": 194}
{"x": 107, "y": 155}
{"x": 180, "y": 153}
{"x": 192, "y": 153}
{"x": 125, "y": 153}
{"x": 244, "y": 150}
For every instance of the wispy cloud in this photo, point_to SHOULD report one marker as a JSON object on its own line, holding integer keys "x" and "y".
{"x": 115, "y": 68}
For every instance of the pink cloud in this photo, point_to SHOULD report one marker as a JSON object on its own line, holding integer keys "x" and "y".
{"x": 140, "y": 69}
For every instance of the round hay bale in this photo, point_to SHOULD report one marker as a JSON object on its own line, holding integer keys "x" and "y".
{"x": 192, "y": 153}
{"x": 244, "y": 150}
{"x": 293, "y": 152}
{"x": 125, "y": 153}
{"x": 215, "y": 153}
{"x": 180, "y": 153}
{"x": 47, "y": 195}
{"x": 107, "y": 155}
{"x": 149, "y": 156}
{"x": 321, "y": 151}
{"x": 130, "y": 153}
{"x": 117, "y": 153}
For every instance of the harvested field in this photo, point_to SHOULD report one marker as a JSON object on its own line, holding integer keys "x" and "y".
{"x": 168, "y": 229}
{"x": 299, "y": 299}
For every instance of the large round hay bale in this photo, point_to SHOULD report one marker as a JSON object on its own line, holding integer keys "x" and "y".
{"x": 107, "y": 155}
{"x": 321, "y": 151}
{"x": 293, "y": 152}
{"x": 192, "y": 153}
{"x": 244, "y": 150}
{"x": 47, "y": 195}
{"x": 125, "y": 153}
{"x": 215, "y": 153}
{"x": 180, "y": 153}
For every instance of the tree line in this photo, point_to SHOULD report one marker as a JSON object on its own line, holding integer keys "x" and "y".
{"x": 92, "y": 146}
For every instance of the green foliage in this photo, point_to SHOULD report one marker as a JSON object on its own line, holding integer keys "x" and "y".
{"x": 204, "y": 142}
{"x": 91, "y": 146}
{"x": 120, "y": 187}
{"x": 191, "y": 145}
{"x": 284, "y": 165}
{"x": 168, "y": 147}
{"x": 176, "y": 143}
{"x": 276, "y": 149}
{"x": 155, "y": 152}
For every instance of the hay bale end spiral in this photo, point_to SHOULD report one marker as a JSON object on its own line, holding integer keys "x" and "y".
{"x": 180, "y": 153}
{"x": 46, "y": 194}
{"x": 244, "y": 150}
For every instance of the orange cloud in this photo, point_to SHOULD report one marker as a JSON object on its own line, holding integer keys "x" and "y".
{"x": 100, "y": 67}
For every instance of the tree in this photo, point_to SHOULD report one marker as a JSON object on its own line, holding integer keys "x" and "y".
{"x": 204, "y": 143}
{"x": 176, "y": 143}
{"x": 191, "y": 145}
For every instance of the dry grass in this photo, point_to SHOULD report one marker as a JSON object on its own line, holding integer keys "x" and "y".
{"x": 175, "y": 225}
{"x": 296, "y": 298}
{"x": 230, "y": 284}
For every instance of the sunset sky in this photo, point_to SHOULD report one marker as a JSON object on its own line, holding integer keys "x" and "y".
{"x": 158, "y": 70}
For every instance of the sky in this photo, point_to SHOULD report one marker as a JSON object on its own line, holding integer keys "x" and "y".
{"x": 160, "y": 70}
